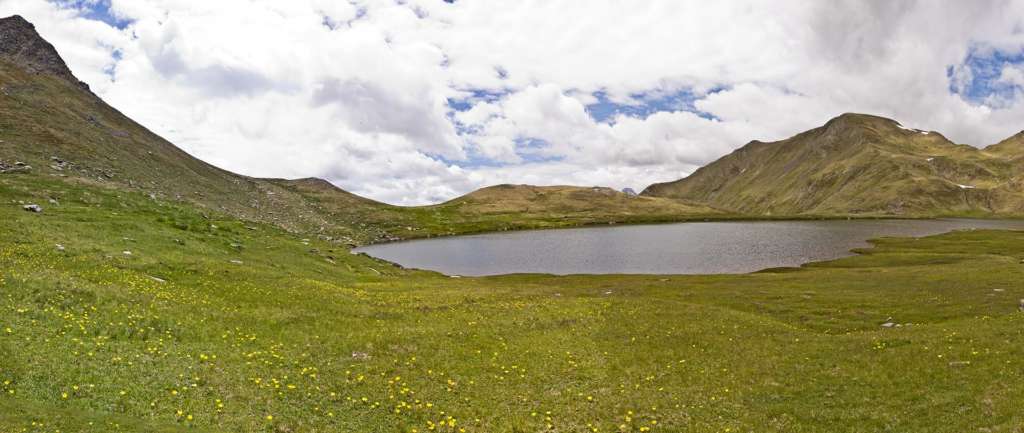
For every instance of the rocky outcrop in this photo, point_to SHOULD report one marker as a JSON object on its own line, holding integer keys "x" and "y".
{"x": 21, "y": 44}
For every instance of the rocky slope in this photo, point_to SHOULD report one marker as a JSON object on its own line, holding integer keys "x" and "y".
{"x": 22, "y": 45}
{"x": 859, "y": 164}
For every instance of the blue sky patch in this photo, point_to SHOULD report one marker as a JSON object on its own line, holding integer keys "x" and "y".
{"x": 476, "y": 96}
{"x": 473, "y": 160}
{"x": 648, "y": 103}
{"x": 976, "y": 79}
{"x": 528, "y": 149}
{"x": 108, "y": 70}
{"x": 328, "y": 22}
{"x": 98, "y": 10}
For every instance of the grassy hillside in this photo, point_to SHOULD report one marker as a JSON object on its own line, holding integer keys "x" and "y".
{"x": 59, "y": 130}
{"x": 123, "y": 313}
{"x": 497, "y": 208}
{"x": 860, "y": 165}
{"x": 567, "y": 201}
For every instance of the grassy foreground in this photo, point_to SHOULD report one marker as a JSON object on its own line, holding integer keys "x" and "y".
{"x": 224, "y": 326}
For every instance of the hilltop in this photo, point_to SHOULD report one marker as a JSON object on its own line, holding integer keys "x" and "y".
{"x": 22, "y": 45}
{"x": 859, "y": 164}
{"x": 597, "y": 204}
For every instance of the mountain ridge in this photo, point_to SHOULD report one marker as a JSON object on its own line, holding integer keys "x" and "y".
{"x": 22, "y": 44}
{"x": 857, "y": 164}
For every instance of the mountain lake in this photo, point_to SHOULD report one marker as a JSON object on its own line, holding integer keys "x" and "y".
{"x": 679, "y": 248}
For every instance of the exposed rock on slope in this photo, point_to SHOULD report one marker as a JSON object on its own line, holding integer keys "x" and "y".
{"x": 22, "y": 45}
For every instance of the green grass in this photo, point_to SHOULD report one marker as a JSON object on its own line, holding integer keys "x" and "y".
{"x": 860, "y": 164}
{"x": 302, "y": 336}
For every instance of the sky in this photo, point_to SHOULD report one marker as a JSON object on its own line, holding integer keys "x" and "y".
{"x": 414, "y": 102}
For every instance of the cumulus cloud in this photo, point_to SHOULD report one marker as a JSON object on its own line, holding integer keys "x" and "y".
{"x": 418, "y": 101}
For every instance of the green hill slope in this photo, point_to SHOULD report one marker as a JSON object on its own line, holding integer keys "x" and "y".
{"x": 50, "y": 122}
{"x": 119, "y": 313}
{"x": 859, "y": 165}
{"x": 57, "y": 127}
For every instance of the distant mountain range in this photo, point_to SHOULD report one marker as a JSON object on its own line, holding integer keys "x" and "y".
{"x": 858, "y": 164}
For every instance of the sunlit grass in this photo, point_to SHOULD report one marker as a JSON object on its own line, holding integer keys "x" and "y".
{"x": 213, "y": 324}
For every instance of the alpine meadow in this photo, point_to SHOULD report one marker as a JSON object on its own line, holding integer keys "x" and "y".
{"x": 145, "y": 290}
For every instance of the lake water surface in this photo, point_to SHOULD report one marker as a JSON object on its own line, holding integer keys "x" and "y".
{"x": 683, "y": 248}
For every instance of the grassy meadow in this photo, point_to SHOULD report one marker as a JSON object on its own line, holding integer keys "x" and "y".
{"x": 150, "y": 316}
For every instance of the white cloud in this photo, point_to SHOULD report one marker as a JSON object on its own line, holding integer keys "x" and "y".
{"x": 357, "y": 92}
{"x": 1012, "y": 75}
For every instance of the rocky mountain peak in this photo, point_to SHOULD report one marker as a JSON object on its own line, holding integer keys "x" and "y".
{"x": 21, "y": 45}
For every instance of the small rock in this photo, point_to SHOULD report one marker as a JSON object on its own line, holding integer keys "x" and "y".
{"x": 159, "y": 280}
{"x": 33, "y": 208}
{"x": 888, "y": 325}
{"x": 126, "y": 252}
{"x": 235, "y": 262}
{"x": 60, "y": 247}
{"x": 53, "y": 201}
{"x": 360, "y": 355}
{"x": 959, "y": 363}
